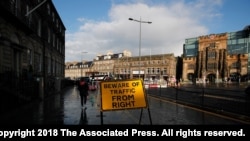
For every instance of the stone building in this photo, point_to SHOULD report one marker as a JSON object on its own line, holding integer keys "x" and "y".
{"x": 75, "y": 70}
{"x": 148, "y": 67}
{"x": 153, "y": 68}
{"x": 32, "y": 48}
{"x": 217, "y": 57}
{"x": 101, "y": 65}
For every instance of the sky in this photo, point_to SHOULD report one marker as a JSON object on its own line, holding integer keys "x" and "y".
{"x": 98, "y": 27}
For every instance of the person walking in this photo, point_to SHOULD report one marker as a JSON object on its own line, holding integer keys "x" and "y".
{"x": 83, "y": 88}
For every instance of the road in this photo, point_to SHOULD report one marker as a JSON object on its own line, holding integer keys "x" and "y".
{"x": 64, "y": 109}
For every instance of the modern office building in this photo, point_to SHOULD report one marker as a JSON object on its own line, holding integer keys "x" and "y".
{"x": 32, "y": 48}
{"x": 217, "y": 57}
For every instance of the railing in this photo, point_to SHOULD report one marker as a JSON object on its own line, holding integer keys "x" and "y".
{"x": 227, "y": 99}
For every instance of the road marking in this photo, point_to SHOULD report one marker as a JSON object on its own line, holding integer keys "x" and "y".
{"x": 200, "y": 110}
{"x": 225, "y": 98}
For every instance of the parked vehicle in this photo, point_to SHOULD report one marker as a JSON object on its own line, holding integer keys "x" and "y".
{"x": 86, "y": 78}
{"x": 93, "y": 85}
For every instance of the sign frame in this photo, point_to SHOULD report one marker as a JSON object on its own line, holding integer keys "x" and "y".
{"x": 123, "y": 94}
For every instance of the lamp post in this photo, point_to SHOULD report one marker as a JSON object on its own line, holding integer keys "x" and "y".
{"x": 82, "y": 62}
{"x": 127, "y": 72}
{"x": 140, "y": 21}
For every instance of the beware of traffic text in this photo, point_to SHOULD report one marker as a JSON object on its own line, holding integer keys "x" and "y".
{"x": 125, "y": 94}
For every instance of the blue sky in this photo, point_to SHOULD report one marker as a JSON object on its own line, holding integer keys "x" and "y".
{"x": 99, "y": 27}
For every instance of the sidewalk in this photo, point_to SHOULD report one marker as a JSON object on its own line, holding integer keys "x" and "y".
{"x": 65, "y": 109}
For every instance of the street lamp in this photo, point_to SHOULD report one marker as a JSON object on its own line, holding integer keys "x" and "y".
{"x": 82, "y": 62}
{"x": 140, "y": 21}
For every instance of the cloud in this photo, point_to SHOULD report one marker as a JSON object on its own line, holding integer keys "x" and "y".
{"x": 172, "y": 23}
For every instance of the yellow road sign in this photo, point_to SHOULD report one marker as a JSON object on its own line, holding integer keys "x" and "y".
{"x": 126, "y": 94}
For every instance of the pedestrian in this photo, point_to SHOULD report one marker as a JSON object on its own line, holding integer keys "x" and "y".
{"x": 83, "y": 88}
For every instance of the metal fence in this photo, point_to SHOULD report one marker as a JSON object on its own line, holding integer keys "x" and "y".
{"x": 224, "y": 99}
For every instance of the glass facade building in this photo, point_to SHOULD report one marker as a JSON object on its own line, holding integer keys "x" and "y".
{"x": 228, "y": 52}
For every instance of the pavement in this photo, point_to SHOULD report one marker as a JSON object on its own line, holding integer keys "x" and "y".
{"x": 64, "y": 108}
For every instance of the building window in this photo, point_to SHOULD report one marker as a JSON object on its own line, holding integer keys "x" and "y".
{"x": 29, "y": 56}
{"x": 211, "y": 66}
{"x": 165, "y": 71}
{"x": 57, "y": 44}
{"x": 57, "y": 23}
{"x": 49, "y": 35}
{"x": 212, "y": 45}
{"x": 30, "y": 16}
{"x": 49, "y": 65}
{"x": 53, "y": 66}
{"x": 48, "y": 9}
{"x": 39, "y": 27}
{"x": 54, "y": 40}
{"x": 13, "y": 8}
{"x": 211, "y": 54}
{"x": 38, "y": 62}
{"x": 235, "y": 65}
{"x": 191, "y": 66}
{"x": 53, "y": 16}
{"x": 158, "y": 70}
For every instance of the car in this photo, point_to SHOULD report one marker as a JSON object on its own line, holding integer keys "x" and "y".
{"x": 93, "y": 85}
{"x": 86, "y": 78}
